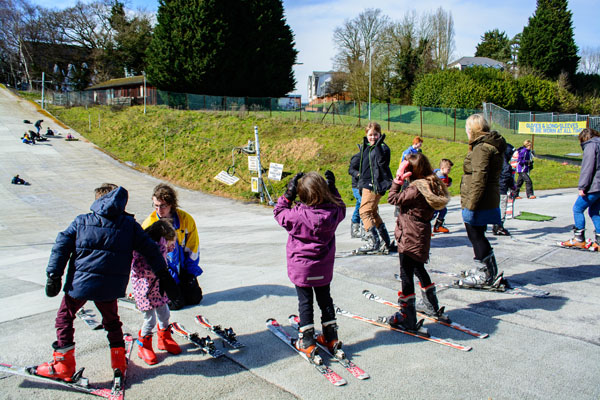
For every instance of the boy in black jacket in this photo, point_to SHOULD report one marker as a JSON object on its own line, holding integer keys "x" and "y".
{"x": 372, "y": 169}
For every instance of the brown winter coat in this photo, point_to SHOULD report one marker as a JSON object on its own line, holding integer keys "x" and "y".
{"x": 416, "y": 206}
{"x": 480, "y": 184}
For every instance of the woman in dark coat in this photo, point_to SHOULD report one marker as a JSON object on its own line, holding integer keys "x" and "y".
{"x": 480, "y": 196}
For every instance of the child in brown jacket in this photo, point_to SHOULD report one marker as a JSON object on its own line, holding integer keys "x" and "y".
{"x": 425, "y": 194}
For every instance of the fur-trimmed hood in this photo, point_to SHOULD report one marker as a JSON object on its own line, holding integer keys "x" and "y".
{"x": 437, "y": 200}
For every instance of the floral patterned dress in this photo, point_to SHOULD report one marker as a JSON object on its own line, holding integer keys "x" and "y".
{"x": 145, "y": 284}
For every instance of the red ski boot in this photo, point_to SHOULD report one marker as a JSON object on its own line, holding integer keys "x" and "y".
{"x": 166, "y": 342}
{"x": 62, "y": 366}
{"x": 145, "y": 351}
{"x": 118, "y": 360}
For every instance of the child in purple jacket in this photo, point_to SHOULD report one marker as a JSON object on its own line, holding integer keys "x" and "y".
{"x": 311, "y": 225}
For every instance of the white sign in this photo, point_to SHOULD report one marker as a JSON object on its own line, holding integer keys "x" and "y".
{"x": 227, "y": 179}
{"x": 275, "y": 171}
{"x": 253, "y": 163}
{"x": 254, "y": 184}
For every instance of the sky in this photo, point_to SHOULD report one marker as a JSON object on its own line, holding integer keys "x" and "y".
{"x": 313, "y": 23}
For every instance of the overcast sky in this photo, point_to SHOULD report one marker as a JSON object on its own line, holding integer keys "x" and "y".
{"x": 313, "y": 22}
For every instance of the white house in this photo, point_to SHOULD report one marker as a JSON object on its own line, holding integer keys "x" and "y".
{"x": 318, "y": 83}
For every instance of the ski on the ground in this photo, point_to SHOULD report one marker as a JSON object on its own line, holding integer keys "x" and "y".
{"x": 78, "y": 383}
{"x": 316, "y": 362}
{"x": 351, "y": 253}
{"x": 339, "y": 356}
{"x": 587, "y": 247}
{"x": 371, "y": 296}
{"x": 204, "y": 343}
{"x": 501, "y": 285}
{"x": 118, "y": 386}
{"x": 227, "y": 334}
{"x": 89, "y": 317}
{"x": 128, "y": 298}
{"x": 434, "y": 339}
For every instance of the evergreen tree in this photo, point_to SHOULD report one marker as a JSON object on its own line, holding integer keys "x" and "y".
{"x": 547, "y": 43}
{"x": 494, "y": 44}
{"x": 222, "y": 47}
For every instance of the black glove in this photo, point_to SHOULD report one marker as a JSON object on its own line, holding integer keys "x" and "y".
{"x": 292, "y": 187}
{"x": 53, "y": 285}
{"x": 330, "y": 178}
{"x": 168, "y": 285}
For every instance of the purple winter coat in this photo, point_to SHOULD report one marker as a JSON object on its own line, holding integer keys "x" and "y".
{"x": 311, "y": 242}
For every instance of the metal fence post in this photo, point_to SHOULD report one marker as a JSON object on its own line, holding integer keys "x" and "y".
{"x": 388, "y": 104}
{"x": 359, "y": 113}
{"x": 421, "y": 115}
{"x": 455, "y": 124}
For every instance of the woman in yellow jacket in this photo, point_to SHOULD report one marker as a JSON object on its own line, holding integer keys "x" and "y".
{"x": 183, "y": 260}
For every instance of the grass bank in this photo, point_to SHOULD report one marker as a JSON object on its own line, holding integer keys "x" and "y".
{"x": 189, "y": 148}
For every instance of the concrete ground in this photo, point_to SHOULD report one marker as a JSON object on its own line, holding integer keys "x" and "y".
{"x": 538, "y": 348}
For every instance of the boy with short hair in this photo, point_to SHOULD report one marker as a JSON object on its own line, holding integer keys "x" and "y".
{"x": 98, "y": 248}
{"x": 443, "y": 173}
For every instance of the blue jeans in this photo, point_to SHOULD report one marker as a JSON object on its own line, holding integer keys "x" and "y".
{"x": 591, "y": 200}
{"x": 356, "y": 214}
{"x": 441, "y": 214}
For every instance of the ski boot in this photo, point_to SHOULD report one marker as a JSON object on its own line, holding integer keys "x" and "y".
{"x": 118, "y": 361}
{"x": 388, "y": 245}
{"x": 355, "y": 230}
{"x": 306, "y": 342}
{"x": 406, "y": 318}
{"x": 439, "y": 227}
{"x": 145, "y": 351}
{"x": 577, "y": 241}
{"x": 373, "y": 243}
{"x": 429, "y": 304}
{"x": 329, "y": 339}
{"x": 62, "y": 367}
{"x": 484, "y": 273}
{"x": 166, "y": 342}
{"x": 499, "y": 230}
{"x": 595, "y": 245}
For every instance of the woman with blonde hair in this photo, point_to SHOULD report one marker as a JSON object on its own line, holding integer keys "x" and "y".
{"x": 480, "y": 197}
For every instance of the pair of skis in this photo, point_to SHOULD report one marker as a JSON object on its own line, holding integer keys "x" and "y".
{"x": 78, "y": 381}
{"x": 501, "y": 285}
{"x": 206, "y": 344}
{"x": 316, "y": 361}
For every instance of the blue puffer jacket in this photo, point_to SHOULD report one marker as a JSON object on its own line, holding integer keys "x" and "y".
{"x": 99, "y": 248}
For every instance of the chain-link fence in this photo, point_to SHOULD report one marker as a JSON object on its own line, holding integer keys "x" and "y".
{"x": 446, "y": 123}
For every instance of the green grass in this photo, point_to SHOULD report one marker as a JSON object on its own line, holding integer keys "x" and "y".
{"x": 198, "y": 145}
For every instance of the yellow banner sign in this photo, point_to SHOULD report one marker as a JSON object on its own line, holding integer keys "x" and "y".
{"x": 552, "y": 128}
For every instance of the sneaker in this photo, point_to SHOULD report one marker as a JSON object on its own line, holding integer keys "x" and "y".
{"x": 532, "y": 197}
{"x": 441, "y": 229}
{"x": 501, "y": 231}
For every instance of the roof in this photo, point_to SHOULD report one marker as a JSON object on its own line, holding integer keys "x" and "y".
{"x": 119, "y": 82}
{"x": 482, "y": 61}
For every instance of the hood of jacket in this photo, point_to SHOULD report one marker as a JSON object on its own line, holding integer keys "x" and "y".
{"x": 492, "y": 138}
{"x": 111, "y": 204}
{"x": 593, "y": 140}
{"x": 437, "y": 201}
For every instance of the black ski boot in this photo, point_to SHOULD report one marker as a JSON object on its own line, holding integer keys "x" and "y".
{"x": 373, "y": 243}
{"x": 406, "y": 318}
{"x": 387, "y": 246}
{"x": 329, "y": 338}
{"x": 429, "y": 305}
{"x": 499, "y": 230}
{"x": 306, "y": 342}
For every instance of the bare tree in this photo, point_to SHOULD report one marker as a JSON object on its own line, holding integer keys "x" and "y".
{"x": 589, "y": 63}
{"x": 441, "y": 25}
{"x": 360, "y": 42}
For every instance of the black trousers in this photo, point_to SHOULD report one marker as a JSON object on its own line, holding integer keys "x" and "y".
{"x": 409, "y": 267}
{"x": 305, "y": 304}
{"x": 524, "y": 177}
{"x": 481, "y": 246}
